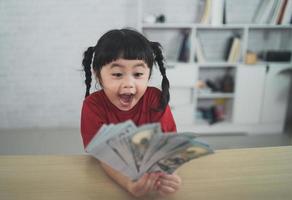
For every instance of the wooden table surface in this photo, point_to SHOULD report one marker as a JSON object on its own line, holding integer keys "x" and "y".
{"x": 254, "y": 173}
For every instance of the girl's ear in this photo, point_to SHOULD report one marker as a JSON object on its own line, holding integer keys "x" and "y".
{"x": 98, "y": 81}
{"x": 98, "y": 85}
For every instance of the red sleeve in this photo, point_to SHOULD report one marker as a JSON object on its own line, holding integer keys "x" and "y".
{"x": 167, "y": 122}
{"x": 90, "y": 123}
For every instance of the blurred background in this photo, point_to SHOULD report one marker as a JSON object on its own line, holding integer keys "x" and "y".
{"x": 42, "y": 82}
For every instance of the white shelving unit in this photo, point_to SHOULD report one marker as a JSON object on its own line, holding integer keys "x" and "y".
{"x": 258, "y": 100}
{"x": 215, "y": 95}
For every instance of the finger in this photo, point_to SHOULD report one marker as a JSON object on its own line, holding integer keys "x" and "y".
{"x": 172, "y": 177}
{"x": 165, "y": 190}
{"x": 152, "y": 181}
{"x": 169, "y": 183}
{"x": 148, "y": 183}
{"x": 139, "y": 187}
{"x": 142, "y": 180}
{"x": 157, "y": 182}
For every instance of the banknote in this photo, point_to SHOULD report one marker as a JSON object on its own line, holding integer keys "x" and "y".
{"x": 136, "y": 150}
{"x": 141, "y": 140}
{"x": 171, "y": 162}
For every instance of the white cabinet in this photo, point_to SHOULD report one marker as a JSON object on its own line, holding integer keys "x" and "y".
{"x": 276, "y": 92}
{"x": 182, "y": 78}
{"x": 250, "y": 84}
{"x": 262, "y": 96}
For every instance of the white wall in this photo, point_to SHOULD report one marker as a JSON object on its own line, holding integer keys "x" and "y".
{"x": 41, "y": 46}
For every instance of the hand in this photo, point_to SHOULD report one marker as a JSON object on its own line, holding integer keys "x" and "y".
{"x": 144, "y": 185}
{"x": 168, "y": 184}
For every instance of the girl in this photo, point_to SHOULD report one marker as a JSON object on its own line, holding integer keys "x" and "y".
{"x": 122, "y": 63}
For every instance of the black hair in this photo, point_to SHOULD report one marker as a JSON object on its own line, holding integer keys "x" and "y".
{"x": 127, "y": 44}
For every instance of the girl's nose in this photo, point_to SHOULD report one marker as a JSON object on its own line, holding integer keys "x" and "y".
{"x": 128, "y": 82}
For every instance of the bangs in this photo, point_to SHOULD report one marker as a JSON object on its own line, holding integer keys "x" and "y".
{"x": 124, "y": 44}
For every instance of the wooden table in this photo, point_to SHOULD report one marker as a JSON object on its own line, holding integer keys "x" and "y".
{"x": 255, "y": 173}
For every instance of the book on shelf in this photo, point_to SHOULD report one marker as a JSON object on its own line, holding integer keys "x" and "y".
{"x": 206, "y": 17}
{"x": 261, "y": 8}
{"x": 287, "y": 15}
{"x": 232, "y": 53}
{"x": 266, "y": 8}
{"x": 235, "y": 55}
{"x": 212, "y": 114}
{"x": 200, "y": 57}
{"x": 200, "y": 11}
{"x": 281, "y": 13}
{"x": 217, "y": 12}
{"x": 273, "y": 12}
{"x": 134, "y": 151}
{"x": 184, "y": 52}
{"x": 276, "y": 11}
{"x": 224, "y": 13}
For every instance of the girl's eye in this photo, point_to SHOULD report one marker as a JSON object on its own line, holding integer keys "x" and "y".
{"x": 117, "y": 75}
{"x": 138, "y": 74}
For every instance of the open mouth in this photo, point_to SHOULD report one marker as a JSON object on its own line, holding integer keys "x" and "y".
{"x": 126, "y": 99}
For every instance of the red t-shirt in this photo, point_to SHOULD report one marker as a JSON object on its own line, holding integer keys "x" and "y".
{"x": 98, "y": 110}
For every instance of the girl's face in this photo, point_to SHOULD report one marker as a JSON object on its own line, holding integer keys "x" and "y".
{"x": 124, "y": 82}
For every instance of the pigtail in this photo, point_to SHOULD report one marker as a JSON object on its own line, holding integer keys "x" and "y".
{"x": 164, "y": 99}
{"x": 86, "y": 62}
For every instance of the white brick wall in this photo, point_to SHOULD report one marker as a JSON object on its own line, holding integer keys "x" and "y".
{"x": 41, "y": 46}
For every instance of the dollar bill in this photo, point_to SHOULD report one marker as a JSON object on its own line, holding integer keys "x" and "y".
{"x": 141, "y": 140}
{"x": 134, "y": 151}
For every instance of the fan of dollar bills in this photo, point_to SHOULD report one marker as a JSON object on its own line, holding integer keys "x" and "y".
{"x": 136, "y": 150}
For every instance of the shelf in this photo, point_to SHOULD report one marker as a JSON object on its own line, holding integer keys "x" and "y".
{"x": 213, "y": 44}
{"x": 223, "y": 26}
{"x": 264, "y": 63}
{"x": 204, "y": 123}
{"x": 268, "y": 26}
{"x": 205, "y": 64}
{"x": 172, "y": 64}
{"x": 241, "y": 26}
{"x": 168, "y": 26}
{"x": 216, "y": 64}
{"x": 209, "y": 26}
{"x": 216, "y": 95}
